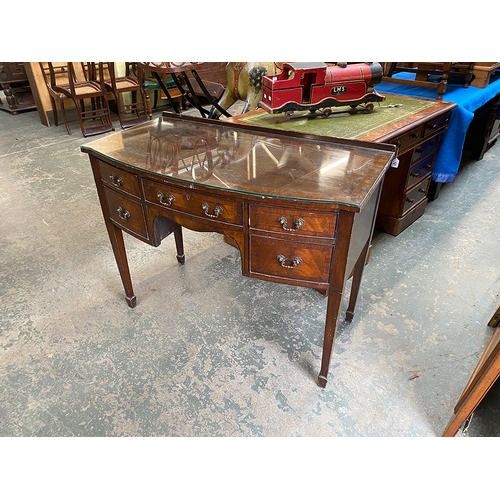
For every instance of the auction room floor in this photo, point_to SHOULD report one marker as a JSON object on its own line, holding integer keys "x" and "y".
{"x": 208, "y": 352}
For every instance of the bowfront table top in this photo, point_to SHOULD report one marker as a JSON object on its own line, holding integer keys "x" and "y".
{"x": 300, "y": 208}
{"x": 283, "y": 165}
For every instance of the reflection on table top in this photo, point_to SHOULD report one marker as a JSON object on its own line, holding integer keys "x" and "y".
{"x": 247, "y": 159}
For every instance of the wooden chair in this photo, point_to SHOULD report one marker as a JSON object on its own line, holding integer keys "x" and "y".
{"x": 85, "y": 84}
{"x": 150, "y": 84}
{"x": 129, "y": 83}
{"x": 51, "y": 74}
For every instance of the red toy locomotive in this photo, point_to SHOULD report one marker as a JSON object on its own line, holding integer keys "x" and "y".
{"x": 315, "y": 86}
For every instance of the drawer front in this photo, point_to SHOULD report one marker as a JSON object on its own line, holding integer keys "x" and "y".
{"x": 409, "y": 139}
{"x": 126, "y": 212}
{"x": 120, "y": 179}
{"x": 288, "y": 221}
{"x": 420, "y": 170}
{"x": 415, "y": 195}
{"x": 439, "y": 123}
{"x": 425, "y": 149}
{"x": 290, "y": 259}
{"x": 194, "y": 203}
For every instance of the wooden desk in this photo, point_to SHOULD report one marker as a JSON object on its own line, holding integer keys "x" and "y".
{"x": 414, "y": 125}
{"x": 301, "y": 209}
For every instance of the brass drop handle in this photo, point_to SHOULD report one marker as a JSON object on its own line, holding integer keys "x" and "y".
{"x": 298, "y": 224}
{"x": 123, "y": 214}
{"x": 217, "y": 210}
{"x": 282, "y": 259}
{"x": 161, "y": 197}
{"x": 116, "y": 181}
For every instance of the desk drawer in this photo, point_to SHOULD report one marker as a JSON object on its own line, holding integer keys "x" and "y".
{"x": 419, "y": 171}
{"x": 409, "y": 139}
{"x": 300, "y": 222}
{"x": 439, "y": 123}
{"x": 414, "y": 196}
{"x": 194, "y": 203}
{"x": 126, "y": 212}
{"x": 119, "y": 179}
{"x": 425, "y": 149}
{"x": 290, "y": 259}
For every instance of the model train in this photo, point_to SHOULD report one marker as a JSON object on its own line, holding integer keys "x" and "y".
{"x": 318, "y": 86}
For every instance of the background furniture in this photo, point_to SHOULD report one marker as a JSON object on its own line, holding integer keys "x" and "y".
{"x": 468, "y": 101}
{"x": 482, "y": 379}
{"x": 130, "y": 83}
{"x": 432, "y": 75}
{"x": 484, "y": 130}
{"x": 302, "y": 212}
{"x": 86, "y": 84}
{"x": 414, "y": 125}
{"x": 190, "y": 87}
{"x": 150, "y": 84}
{"x": 53, "y": 76}
{"x": 16, "y": 88}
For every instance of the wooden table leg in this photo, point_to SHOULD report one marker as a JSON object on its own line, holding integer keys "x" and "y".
{"x": 332, "y": 316}
{"x": 118, "y": 245}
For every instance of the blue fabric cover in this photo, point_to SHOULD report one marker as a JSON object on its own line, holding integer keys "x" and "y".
{"x": 468, "y": 100}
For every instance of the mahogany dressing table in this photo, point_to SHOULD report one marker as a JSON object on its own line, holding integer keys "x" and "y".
{"x": 300, "y": 208}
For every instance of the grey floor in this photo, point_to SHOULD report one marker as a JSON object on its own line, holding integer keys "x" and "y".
{"x": 208, "y": 352}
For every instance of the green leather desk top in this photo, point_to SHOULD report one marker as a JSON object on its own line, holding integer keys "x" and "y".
{"x": 392, "y": 114}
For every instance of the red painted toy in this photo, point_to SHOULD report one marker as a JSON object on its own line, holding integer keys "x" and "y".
{"x": 317, "y": 86}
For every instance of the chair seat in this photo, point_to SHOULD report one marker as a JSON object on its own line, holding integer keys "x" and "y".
{"x": 124, "y": 83}
{"x": 86, "y": 88}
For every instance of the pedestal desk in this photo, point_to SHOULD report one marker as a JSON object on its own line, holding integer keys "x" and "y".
{"x": 300, "y": 208}
{"x": 415, "y": 125}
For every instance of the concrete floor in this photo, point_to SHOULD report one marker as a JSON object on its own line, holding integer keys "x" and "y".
{"x": 208, "y": 352}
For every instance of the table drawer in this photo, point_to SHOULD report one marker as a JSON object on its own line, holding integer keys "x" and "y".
{"x": 418, "y": 193}
{"x": 119, "y": 179}
{"x": 425, "y": 149}
{"x": 290, "y": 259}
{"x": 419, "y": 170}
{"x": 287, "y": 220}
{"x": 194, "y": 203}
{"x": 409, "y": 139}
{"x": 126, "y": 212}
{"x": 439, "y": 123}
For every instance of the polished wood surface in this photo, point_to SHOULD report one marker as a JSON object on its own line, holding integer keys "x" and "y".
{"x": 299, "y": 208}
{"x": 414, "y": 125}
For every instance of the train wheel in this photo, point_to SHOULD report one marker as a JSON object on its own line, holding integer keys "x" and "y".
{"x": 368, "y": 107}
{"x": 327, "y": 111}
